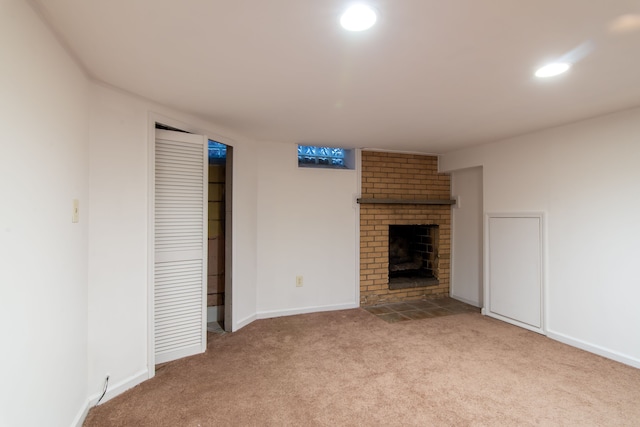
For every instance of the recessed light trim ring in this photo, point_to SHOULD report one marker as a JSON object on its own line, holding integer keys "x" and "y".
{"x": 358, "y": 17}
{"x": 553, "y": 69}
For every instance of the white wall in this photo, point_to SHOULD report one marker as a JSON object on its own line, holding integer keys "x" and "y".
{"x": 118, "y": 233}
{"x": 585, "y": 177}
{"x": 306, "y": 227}
{"x": 466, "y": 256}
{"x": 43, "y": 256}
{"x": 244, "y": 232}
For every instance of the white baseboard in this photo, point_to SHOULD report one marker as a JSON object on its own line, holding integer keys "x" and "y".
{"x": 293, "y": 311}
{"x": 82, "y": 415}
{"x": 538, "y": 330}
{"x": 596, "y": 349}
{"x": 583, "y": 345}
{"x": 466, "y": 301}
{"x": 118, "y": 388}
{"x": 112, "y": 391}
{"x": 244, "y": 322}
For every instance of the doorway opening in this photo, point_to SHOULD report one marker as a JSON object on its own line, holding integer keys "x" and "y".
{"x": 216, "y": 234}
{"x": 218, "y": 190}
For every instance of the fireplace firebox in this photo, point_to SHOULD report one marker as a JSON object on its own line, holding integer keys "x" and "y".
{"x": 413, "y": 256}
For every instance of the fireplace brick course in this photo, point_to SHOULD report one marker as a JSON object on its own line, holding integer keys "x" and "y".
{"x": 407, "y": 177}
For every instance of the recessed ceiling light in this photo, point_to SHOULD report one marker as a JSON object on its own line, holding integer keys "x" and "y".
{"x": 625, "y": 23}
{"x": 358, "y": 17}
{"x": 553, "y": 69}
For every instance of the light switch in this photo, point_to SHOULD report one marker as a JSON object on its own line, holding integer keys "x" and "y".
{"x": 75, "y": 216}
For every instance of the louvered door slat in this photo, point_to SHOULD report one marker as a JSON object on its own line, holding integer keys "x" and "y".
{"x": 179, "y": 240}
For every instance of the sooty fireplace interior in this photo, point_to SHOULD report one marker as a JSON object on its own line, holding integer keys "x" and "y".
{"x": 413, "y": 256}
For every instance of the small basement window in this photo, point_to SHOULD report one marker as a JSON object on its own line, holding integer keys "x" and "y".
{"x": 217, "y": 152}
{"x": 324, "y": 157}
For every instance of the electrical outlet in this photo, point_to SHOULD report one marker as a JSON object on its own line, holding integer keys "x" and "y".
{"x": 299, "y": 281}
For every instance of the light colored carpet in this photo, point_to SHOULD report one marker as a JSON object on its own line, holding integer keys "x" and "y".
{"x": 351, "y": 368}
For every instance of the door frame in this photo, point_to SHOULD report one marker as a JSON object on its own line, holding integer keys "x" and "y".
{"x": 152, "y": 119}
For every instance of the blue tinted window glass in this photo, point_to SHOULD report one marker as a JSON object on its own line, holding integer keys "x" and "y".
{"x": 310, "y": 155}
{"x": 217, "y": 151}
{"x": 337, "y": 152}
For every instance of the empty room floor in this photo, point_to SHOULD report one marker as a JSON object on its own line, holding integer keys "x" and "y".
{"x": 352, "y": 368}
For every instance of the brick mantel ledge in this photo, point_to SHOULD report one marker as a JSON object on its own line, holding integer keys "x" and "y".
{"x": 369, "y": 201}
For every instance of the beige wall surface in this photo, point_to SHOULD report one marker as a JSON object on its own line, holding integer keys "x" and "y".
{"x": 43, "y": 255}
{"x": 584, "y": 177}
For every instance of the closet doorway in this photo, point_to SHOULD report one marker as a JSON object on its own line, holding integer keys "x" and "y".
{"x": 190, "y": 242}
{"x": 216, "y": 236}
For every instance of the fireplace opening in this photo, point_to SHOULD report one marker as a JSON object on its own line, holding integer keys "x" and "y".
{"x": 413, "y": 256}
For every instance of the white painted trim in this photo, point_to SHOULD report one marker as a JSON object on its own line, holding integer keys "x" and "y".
{"x": 151, "y": 196}
{"x": 112, "y": 392}
{"x": 184, "y": 352}
{"x": 485, "y": 264}
{"x": 452, "y": 247}
{"x": 545, "y": 272}
{"x": 153, "y": 118}
{"x": 305, "y": 310}
{"x": 486, "y": 309}
{"x": 205, "y": 240}
{"x": 465, "y": 300}
{"x": 120, "y": 387}
{"x": 81, "y": 416}
{"x": 358, "y": 166}
{"x": 229, "y": 187}
{"x": 511, "y": 321}
{"x": 595, "y": 349}
{"x": 244, "y": 322}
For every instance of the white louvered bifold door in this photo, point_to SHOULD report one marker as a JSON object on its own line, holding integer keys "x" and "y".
{"x": 180, "y": 221}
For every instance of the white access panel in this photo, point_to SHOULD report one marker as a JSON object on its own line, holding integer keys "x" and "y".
{"x": 514, "y": 291}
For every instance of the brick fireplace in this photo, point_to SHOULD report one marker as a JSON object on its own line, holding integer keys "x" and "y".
{"x": 405, "y": 228}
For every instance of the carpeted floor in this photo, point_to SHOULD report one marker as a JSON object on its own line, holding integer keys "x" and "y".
{"x": 352, "y": 368}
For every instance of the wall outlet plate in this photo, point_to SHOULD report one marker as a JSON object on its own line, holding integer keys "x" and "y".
{"x": 299, "y": 281}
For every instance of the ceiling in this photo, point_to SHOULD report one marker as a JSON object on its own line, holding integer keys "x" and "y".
{"x": 431, "y": 75}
